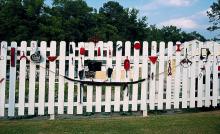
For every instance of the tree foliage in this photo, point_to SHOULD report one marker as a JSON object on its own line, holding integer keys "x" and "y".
{"x": 214, "y": 16}
{"x": 75, "y": 21}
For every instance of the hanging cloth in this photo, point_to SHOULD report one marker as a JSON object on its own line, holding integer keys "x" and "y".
{"x": 126, "y": 65}
{"x": 12, "y": 57}
{"x": 178, "y": 48}
{"x": 137, "y": 46}
{"x": 99, "y": 51}
{"x": 52, "y": 58}
{"x": 82, "y": 51}
{"x": 153, "y": 59}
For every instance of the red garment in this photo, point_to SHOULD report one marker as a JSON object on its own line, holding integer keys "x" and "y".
{"x": 127, "y": 64}
{"x": 153, "y": 59}
{"x": 82, "y": 51}
{"x": 137, "y": 45}
{"x": 12, "y": 57}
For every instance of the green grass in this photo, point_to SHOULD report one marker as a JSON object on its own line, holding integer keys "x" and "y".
{"x": 193, "y": 123}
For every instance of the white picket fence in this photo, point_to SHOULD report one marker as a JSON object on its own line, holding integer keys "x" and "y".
{"x": 28, "y": 88}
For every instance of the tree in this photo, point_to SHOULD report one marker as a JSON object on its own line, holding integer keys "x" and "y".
{"x": 214, "y": 16}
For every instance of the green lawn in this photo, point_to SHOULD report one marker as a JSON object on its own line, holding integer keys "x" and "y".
{"x": 193, "y": 123}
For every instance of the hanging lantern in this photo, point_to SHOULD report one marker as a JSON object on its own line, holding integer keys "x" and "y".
{"x": 178, "y": 48}
{"x": 137, "y": 46}
{"x": 153, "y": 59}
{"x": 126, "y": 65}
{"x": 82, "y": 51}
{"x": 52, "y": 58}
{"x": 99, "y": 51}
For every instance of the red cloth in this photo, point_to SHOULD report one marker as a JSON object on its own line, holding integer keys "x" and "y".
{"x": 153, "y": 59}
{"x": 127, "y": 64}
{"x": 82, "y": 51}
{"x": 12, "y": 57}
{"x": 52, "y": 58}
{"x": 99, "y": 51}
{"x": 137, "y": 45}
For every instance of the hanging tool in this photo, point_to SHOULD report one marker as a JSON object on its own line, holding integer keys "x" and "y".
{"x": 2, "y": 80}
{"x": 169, "y": 68}
{"x": 204, "y": 56}
{"x": 24, "y": 56}
{"x": 186, "y": 62}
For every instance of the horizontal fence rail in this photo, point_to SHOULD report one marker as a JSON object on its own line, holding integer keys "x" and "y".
{"x": 40, "y": 78}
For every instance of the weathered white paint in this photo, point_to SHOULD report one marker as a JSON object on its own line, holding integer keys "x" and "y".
{"x": 183, "y": 77}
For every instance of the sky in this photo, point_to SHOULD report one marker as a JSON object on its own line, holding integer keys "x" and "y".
{"x": 189, "y": 15}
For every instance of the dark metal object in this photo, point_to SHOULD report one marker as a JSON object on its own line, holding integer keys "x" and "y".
{"x": 36, "y": 57}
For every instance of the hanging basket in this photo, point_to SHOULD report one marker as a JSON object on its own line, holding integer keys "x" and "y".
{"x": 153, "y": 59}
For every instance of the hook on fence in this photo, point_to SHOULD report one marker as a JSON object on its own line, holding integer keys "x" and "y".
{"x": 24, "y": 56}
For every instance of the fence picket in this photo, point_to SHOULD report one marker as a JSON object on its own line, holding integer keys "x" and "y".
{"x": 91, "y": 55}
{"x": 80, "y": 90}
{"x": 118, "y": 75}
{"x": 41, "y": 100}
{"x": 127, "y": 77}
{"x": 108, "y": 92}
{"x": 193, "y": 76}
{"x": 153, "y": 76}
{"x": 144, "y": 76}
{"x": 61, "y": 78}
{"x": 52, "y": 70}
{"x": 161, "y": 76}
{"x": 22, "y": 78}
{"x": 215, "y": 75}
{"x": 3, "y": 77}
{"x": 169, "y": 76}
{"x": 177, "y": 77}
{"x": 12, "y": 83}
{"x": 32, "y": 78}
{"x": 191, "y": 86}
{"x": 71, "y": 75}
